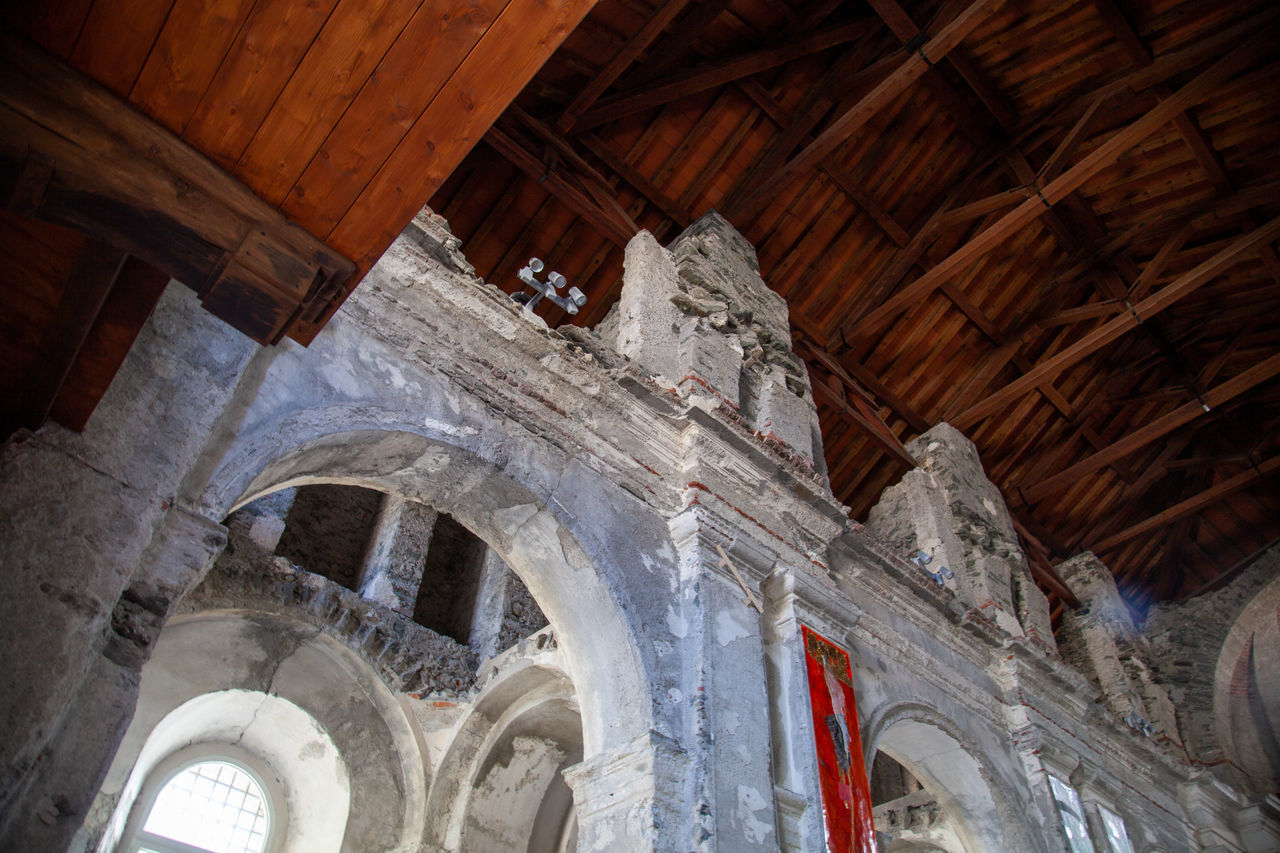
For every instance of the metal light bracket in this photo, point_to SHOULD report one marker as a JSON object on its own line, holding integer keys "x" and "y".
{"x": 528, "y": 274}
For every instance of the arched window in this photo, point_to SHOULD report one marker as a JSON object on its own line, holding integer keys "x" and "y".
{"x": 206, "y": 800}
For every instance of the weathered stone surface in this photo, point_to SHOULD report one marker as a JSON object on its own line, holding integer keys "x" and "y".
{"x": 949, "y": 510}
{"x": 669, "y": 709}
{"x": 393, "y": 560}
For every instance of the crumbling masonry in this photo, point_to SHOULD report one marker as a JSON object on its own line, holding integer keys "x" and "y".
{"x": 479, "y": 562}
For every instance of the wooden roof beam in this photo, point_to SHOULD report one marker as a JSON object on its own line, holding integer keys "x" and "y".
{"x": 798, "y": 131}
{"x": 717, "y": 74}
{"x": 632, "y": 176}
{"x": 1093, "y": 163}
{"x": 1039, "y": 562}
{"x": 856, "y": 405}
{"x": 1113, "y": 329}
{"x": 1191, "y": 505}
{"x": 1156, "y": 429}
{"x": 893, "y": 86}
{"x": 615, "y": 225}
{"x": 621, "y": 61}
{"x": 82, "y": 158}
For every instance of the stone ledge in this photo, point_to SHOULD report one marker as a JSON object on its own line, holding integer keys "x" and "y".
{"x": 407, "y": 657}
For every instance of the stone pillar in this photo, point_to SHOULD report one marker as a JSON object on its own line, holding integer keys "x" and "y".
{"x": 633, "y": 797}
{"x": 948, "y": 509}
{"x": 1212, "y": 809}
{"x": 397, "y": 552}
{"x": 1101, "y": 640}
{"x": 703, "y": 321}
{"x": 262, "y": 522}
{"x": 729, "y": 699}
{"x": 795, "y": 763}
{"x": 78, "y": 514}
{"x": 75, "y": 759}
{"x": 494, "y": 596}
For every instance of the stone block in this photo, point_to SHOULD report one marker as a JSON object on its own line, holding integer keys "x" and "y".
{"x": 948, "y": 509}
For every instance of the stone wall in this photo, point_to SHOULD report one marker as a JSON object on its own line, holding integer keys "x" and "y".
{"x": 654, "y": 486}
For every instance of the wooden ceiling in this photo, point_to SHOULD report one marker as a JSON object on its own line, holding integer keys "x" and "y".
{"x": 1048, "y": 222}
{"x": 263, "y": 152}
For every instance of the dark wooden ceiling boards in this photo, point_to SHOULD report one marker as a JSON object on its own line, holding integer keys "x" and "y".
{"x": 1049, "y": 222}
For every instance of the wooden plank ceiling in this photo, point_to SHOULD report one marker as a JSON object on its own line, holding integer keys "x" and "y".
{"x": 1049, "y": 222}
{"x": 263, "y": 152}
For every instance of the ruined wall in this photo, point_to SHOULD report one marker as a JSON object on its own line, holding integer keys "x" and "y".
{"x": 1188, "y": 642}
{"x": 656, "y": 487}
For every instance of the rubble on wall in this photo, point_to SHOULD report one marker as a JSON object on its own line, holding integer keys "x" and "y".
{"x": 946, "y": 513}
{"x": 408, "y": 657}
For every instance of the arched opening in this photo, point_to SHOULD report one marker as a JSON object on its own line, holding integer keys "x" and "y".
{"x": 500, "y": 785}
{"x": 212, "y": 801}
{"x": 1246, "y": 695}
{"x": 330, "y": 746}
{"x": 929, "y": 792}
{"x": 544, "y": 545}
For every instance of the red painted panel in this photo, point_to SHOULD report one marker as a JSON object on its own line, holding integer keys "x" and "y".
{"x": 846, "y": 796}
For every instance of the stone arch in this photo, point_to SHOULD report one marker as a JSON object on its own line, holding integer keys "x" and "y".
{"x": 222, "y": 677}
{"x": 500, "y": 784}
{"x": 1246, "y": 691}
{"x": 543, "y": 536}
{"x": 952, "y": 768}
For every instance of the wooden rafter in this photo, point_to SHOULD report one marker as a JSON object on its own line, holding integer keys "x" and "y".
{"x": 621, "y": 61}
{"x": 717, "y": 74}
{"x": 1057, "y": 189}
{"x": 1156, "y": 429}
{"x": 897, "y": 82}
{"x": 855, "y": 405}
{"x": 1182, "y": 509}
{"x": 1121, "y": 324}
{"x": 612, "y": 223}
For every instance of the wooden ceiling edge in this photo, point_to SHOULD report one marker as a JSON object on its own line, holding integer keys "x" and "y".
{"x": 144, "y": 179}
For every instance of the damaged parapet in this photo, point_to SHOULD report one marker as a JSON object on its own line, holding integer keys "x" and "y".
{"x": 699, "y": 317}
{"x": 949, "y": 510}
{"x": 1101, "y": 640}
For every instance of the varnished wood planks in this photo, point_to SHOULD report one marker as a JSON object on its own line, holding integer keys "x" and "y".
{"x": 269, "y": 46}
{"x": 389, "y": 105}
{"x": 350, "y": 58}
{"x": 509, "y": 53}
{"x": 116, "y": 38}
{"x": 188, "y": 52}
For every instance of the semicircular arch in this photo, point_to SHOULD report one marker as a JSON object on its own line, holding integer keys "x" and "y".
{"x": 950, "y": 766}
{"x": 556, "y": 554}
